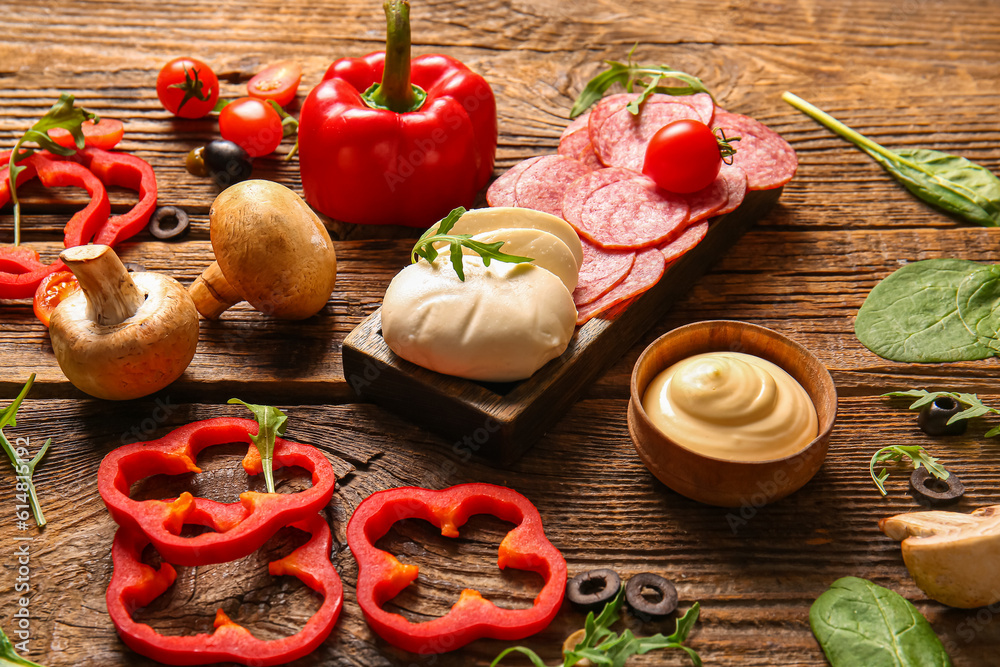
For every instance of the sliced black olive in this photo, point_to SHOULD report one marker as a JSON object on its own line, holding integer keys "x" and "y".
{"x": 169, "y": 222}
{"x": 591, "y": 590}
{"x": 650, "y": 596}
{"x": 226, "y": 163}
{"x": 934, "y": 491}
{"x": 933, "y": 418}
{"x": 195, "y": 162}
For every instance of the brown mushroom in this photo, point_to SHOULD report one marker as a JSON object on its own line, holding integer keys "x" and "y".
{"x": 271, "y": 250}
{"x": 124, "y": 335}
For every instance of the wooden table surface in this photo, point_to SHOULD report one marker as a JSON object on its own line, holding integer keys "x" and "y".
{"x": 913, "y": 73}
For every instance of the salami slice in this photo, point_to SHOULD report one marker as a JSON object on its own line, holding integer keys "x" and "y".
{"x": 502, "y": 191}
{"x": 700, "y": 102}
{"x": 577, "y": 193}
{"x": 646, "y": 271}
{"x": 631, "y": 214}
{"x": 579, "y": 123}
{"x": 708, "y": 201}
{"x": 577, "y": 145}
{"x": 768, "y": 160}
{"x": 604, "y": 108}
{"x": 736, "y": 179}
{"x": 691, "y": 237}
{"x": 542, "y": 185}
{"x": 600, "y": 271}
{"x": 621, "y": 140}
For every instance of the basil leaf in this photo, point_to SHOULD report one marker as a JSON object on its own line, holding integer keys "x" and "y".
{"x": 273, "y": 423}
{"x": 978, "y": 302}
{"x": 912, "y": 315}
{"x": 860, "y": 623}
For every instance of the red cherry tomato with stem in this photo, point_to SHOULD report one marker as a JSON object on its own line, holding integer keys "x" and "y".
{"x": 53, "y": 289}
{"x": 104, "y": 135}
{"x": 252, "y": 124}
{"x": 187, "y": 88}
{"x": 279, "y": 82}
{"x": 683, "y": 156}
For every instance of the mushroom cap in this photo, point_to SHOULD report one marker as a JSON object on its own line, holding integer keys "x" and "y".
{"x": 135, "y": 358}
{"x": 273, "y": 249}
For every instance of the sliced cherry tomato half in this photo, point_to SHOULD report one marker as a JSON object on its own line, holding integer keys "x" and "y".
{"x": 104, "y": 135}
{"x": 279, "y": 82}
{"x": 251, "y": 124}
{"x": 53, "y": 289}
{"x": 683, "y": 156}
{"x": 187, "y": 88}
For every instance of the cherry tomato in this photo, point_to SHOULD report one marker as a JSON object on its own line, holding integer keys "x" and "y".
{"x": 53, "y": 289}
{"x": 187, "y": 88}
{"x": 106, "y": 134}
{"x": 683, "y": 156}
{"x": 278, "y": 82}
{"x": 251, "y": 124}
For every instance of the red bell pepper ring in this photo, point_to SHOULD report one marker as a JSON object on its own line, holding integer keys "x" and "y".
{"x": 21, "y": 271}
{"x": 85, "y": 223}
{"x": 239, "y": 528}
{"x": 135, "y": 584}
{"x": 381, "y": 576}
{"x": 127, "y": 171}
{"x": 374, "y": 158}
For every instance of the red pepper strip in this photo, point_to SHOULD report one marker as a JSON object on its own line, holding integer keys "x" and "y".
{"x": 130, "y": 172}
{"x": 21, "y": 271}
{"x": 240, "y": 528}
{"x": 85, "y": 223}
{"x": 135, "y": 584}
{"x": 381, "y": 576}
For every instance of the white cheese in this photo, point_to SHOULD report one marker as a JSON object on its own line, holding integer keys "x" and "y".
{"x": 545, "y": 249}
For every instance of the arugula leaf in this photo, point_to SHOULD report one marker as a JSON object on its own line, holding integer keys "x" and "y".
{"x": 273, "y": 422}
{"x": 917, "y": 455}
{"x": 629, "y": 75}
{"x": 439, "y": 234}
{"x": 62, "y": 115}
{"x": 24, "y": 470}
{"x": 976, "y": 408}
{"x": 949, "y": 182}
{"x": 8, "y": 657}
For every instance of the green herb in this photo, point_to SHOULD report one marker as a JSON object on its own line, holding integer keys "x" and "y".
{"x": 439, "y": 234}
{"x": 860, "y": 623}
{"x": 606, "y": 648}
{"x": 289, "y": 127}
{"x": 24, "y": 470}
{"x": 62, "y": 114}
{"x": 978, "y": 302}
{"x": 8, "y": 658}
{"x": 917, "y": 455}
{"x": 273, "y": 422}
{"x": 950, "y": 182}
{"x": 975, "y": 407}
{"x": 629, "y": 75}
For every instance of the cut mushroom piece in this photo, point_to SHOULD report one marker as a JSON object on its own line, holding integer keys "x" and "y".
{"x": 124, "y": 335}
{"x": 954, "y": 558}
{"x": 271, "y": 250}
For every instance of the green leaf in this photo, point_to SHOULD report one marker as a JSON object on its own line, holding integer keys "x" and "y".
{"x": 992, "y": 432}
{"x": 978, "y": 302}
{"x": 10, "y": 658}
{"x": 917, "y": 455}
{"x": 273, "y": 423}
{"x": 425, "y": 245}
{"x": 860, "y": 623}
{"x": 912, "y": 315}
{"x": 535, "y": 660}
{"x": 8, "y": 417}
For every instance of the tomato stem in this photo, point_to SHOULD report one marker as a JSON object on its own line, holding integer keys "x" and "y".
{"x": 396, "y": 93}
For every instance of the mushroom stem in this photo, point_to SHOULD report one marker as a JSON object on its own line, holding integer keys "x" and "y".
{"x": 212, "y": 292}
{"x": 112, "y": 297}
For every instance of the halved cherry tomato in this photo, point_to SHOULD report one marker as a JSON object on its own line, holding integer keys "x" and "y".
{"x": 104, "y": 135}
{"x": 683, "y": 156}
{"x": 279, "y": 82}
{"x": 53, "y": 289}
{"x": 252, "y": 124}
{"x": 187, "y": 88}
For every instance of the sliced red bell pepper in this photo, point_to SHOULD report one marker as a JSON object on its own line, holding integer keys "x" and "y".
{"x": 127, "y": 171}
{"x": 372, "y": 150}
{"x": 381, "y": 576}
{"x": 239, "y": 528}
{"x": 85, "y": 223}
{"x": 135, "y": 584}
{"x": 21, "y": 271}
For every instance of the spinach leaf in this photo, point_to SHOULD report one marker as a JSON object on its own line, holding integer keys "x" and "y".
{"x": 912, "y": 315}
{"x": 860, "y": 623}
{"x": 979, "y": 305}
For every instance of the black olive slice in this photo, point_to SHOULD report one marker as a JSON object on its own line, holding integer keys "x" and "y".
{"x": 591, "y": 590}
{"x": 169, "y": 222}
{"x": 650, "y": 596}
{"x": 933, "y": 490}
{"x": 933, "y": 417}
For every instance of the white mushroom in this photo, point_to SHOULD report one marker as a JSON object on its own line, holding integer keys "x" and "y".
{"x": 954, "y": 558}
{"x": 124, "y": 335}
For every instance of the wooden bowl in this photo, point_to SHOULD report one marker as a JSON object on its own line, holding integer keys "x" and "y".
{"x": 718, "y": 481}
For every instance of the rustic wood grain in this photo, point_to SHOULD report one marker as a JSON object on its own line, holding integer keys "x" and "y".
{"x": 916, "y": 73}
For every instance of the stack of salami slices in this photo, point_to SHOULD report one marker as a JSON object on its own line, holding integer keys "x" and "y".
{"x": 632, "y": 230}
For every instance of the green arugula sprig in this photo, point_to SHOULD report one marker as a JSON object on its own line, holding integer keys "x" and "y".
{"x": 273, "y": 422}
{"x": 917, "y": 455}
{"x": 24, "y": 470}
{"x": 10, "y": 658}
{"x": 289, "y": 128}
{"x": 62, "y": 115}
{"x": 606, "y": 648}
{"x": 439, "y": 234}
{"x": 975, "y": 407}
{"x": 629, "y": 75}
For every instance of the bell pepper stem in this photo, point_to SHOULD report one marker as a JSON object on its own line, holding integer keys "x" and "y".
{"x": 396, "y": 93}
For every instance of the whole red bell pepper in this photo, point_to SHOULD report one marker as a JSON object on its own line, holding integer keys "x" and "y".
{"x": 135, "y": 584}
{"x": 381, "y": 576}
{"x": 387, "y": 140}
{"x": 239, "y": 528}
